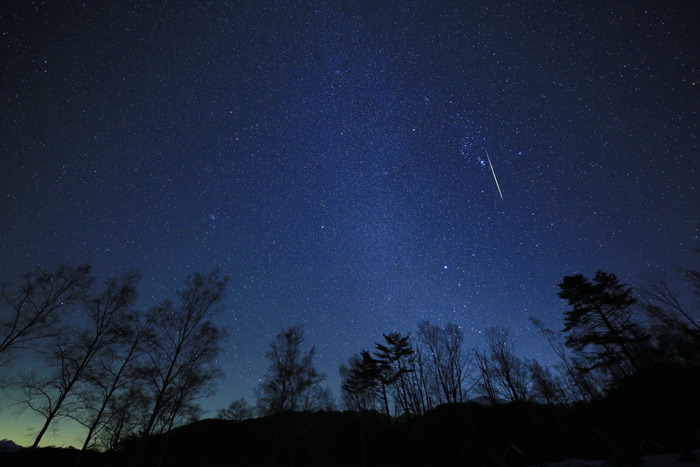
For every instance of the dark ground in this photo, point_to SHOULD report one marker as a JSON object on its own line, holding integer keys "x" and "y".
{"x": 649, "y": 414}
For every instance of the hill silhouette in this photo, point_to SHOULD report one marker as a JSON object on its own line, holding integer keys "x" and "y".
{"x": 651, "y": 413}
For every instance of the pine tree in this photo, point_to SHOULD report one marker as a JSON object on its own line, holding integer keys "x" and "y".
{"x": 601, "y": 325}
{"x": 393, "y": 364}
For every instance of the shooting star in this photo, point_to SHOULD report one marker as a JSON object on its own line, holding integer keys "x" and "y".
{"x": 494, "y": 173}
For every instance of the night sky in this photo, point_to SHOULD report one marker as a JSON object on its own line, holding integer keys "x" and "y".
{"x": 331, "y": 157}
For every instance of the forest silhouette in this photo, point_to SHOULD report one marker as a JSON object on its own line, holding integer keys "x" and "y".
{"x": 625, "y": 383}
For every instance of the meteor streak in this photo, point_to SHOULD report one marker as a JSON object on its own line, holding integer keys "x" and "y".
{"x": 494, "y": 173}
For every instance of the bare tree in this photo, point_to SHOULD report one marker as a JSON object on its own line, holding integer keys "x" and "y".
{"x": 579, "y": 382}
{"x": 420, "y": 396}
{"x": 292, "y": 382}
{"x": 34, "y": 308}
{"x": 509, "y": 373}
{"x": 181, "y": 358}
{"x": 487, "y": 377}
{"x": 324, "y": 400}
{"x": 546, "y": 387}
{"x": 664, "y": 304}
{"x": 675, "y": 329}
{"x": 237, "y": 410}
{"x": 448, "y": 363}
{"x": 123, "y": 415}
{"x": 71, "y": 355}
{"x": 113, "y": 374}
{"x": 692, "y": 275}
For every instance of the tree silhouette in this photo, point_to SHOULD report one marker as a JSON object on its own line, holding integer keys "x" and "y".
{"x": 503, "y": 374}
{"x": 546, "y": 387}
{"x": 394, "y": 362}
{"x": 381, "y": 376}
{"x": 181, "y": 356}
{"x": 486, "y": 382}
{"x": 601, "y": 324}
{"x": 114, "y": 373}
{"x": 579, "y": 384}
{"x": 675, "y": 330}
{"x": 71, "y": 355}
{"x": 124, "y": 413}
{"x": 359, "y": 382}
{"x": 35, "y": 306}
{"x": 292, "y": 382}
{"x": 448, "y": 363}
{"x": 237, "y": 410}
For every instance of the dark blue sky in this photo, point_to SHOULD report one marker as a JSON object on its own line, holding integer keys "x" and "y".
{"x": 331, "y": 157}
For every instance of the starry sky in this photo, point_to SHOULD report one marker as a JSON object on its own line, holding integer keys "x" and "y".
{"x": 332, "y": 157}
